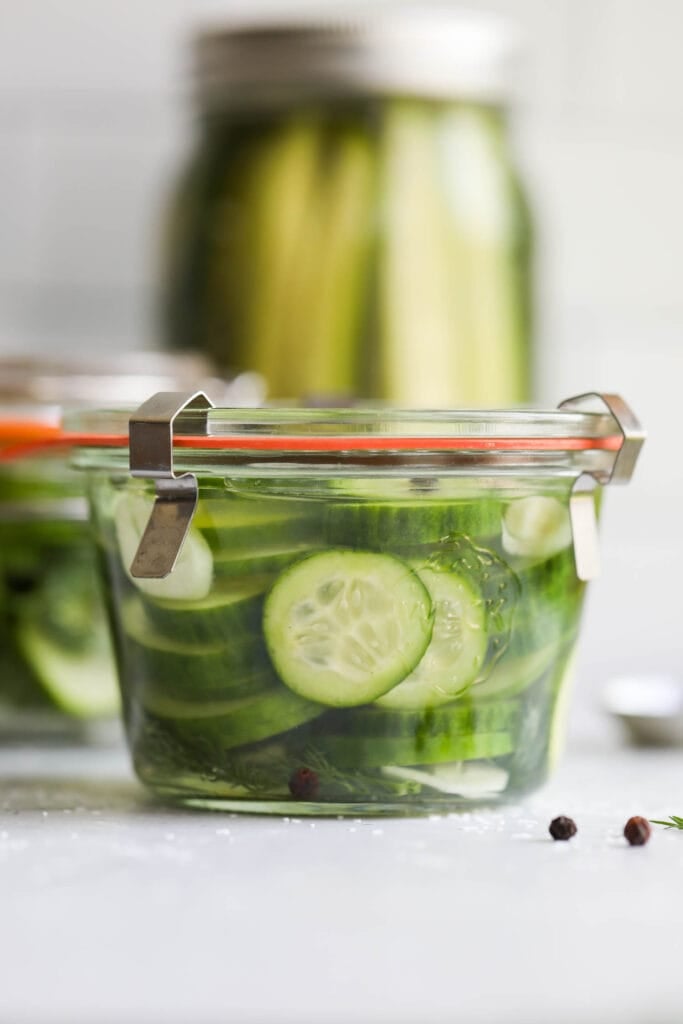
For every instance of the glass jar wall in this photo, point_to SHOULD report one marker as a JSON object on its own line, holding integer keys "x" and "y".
{"x": 370, "y": 612}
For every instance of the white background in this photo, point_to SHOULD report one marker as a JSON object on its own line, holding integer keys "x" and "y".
{"x": 94, "y": 118}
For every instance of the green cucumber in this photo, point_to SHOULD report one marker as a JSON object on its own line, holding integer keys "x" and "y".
{"x": 158, "y": 701}
{"x": 399, "y": 525}
{"x": 192, "y": 574}
{"x": 227, "y": 615}
{"x": 373, "y": 752}
{"x": 343, "y": 627}
{"x": 456, "y": 651}
{"x": 245, "y": 721}
{"x": 81, "y": 682}
{"x": 230, "y": 524}
{"x": 512, "y": 674}
{"x": 460, "y": 718}
{"x": 189, "y": 671}
{"x": 489, "y": 575}
{"x": 258, "y": 561}
{"x": 374, "y": 737}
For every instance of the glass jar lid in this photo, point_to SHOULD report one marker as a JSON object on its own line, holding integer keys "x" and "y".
{"x": 594, "y": 433}
{"x": 417, "y": 51}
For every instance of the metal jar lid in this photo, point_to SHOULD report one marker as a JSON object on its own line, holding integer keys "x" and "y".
{"x": 415, "y": 51}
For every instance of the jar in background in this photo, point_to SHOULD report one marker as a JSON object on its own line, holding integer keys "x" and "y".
{"x": 56, "y": 662}
{"x": 347, "y": 611}
{"x": 351, "y": 222}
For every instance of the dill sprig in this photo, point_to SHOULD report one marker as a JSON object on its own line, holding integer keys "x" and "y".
{"x": 672, "y": 822}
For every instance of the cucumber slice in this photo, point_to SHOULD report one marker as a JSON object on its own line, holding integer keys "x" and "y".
{"x": 231, "y": 524}
{"x": 402, "y": 524}
{"x": 374, "y": 737}
{"x": 158, "y": 701}
{"x": 246, "y": 721}
{"x": 490, "y": 576}
{"x": 171, "y": 667}
{"x": 82, "y": 682}
{"x": 343, "y": 627}
{"x": 192, "y": 574}
{"x": 536, "y": 527}
{"x": 227, "y": 615}
{"x": 512, "y": 675}
{"x": 379, "y": 752}
{"x": 258, "y": 561}
{"x": 456, "y": 651}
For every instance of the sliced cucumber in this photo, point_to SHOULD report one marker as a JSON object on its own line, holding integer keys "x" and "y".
{"x": 401, "y": 524}
{"x": 536, "y": 527}
{"x": 456, "y": 651}
{"x": 513, "y": 674}
{"x": 157, "y": 700}
{"x": 192, "y": 574}
{"x": 227, "y": 615}
{"x": 231, "y": 524}
{"x": 378, "y": 752}
{"x": 374, "y": 737}
{"x": 191, "y": 672}
{"x": 489, "y": 575}
{"x": 343, "y": 627}
{"x": 82, "y": 682}
{"x": 460, "y": 718}
{"x": 258, "y": 561}
{"x": 246, "y": 721}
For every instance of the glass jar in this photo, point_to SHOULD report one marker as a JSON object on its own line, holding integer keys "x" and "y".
{"x": 351, "y": 222}
{"x": 56, "y": 665}
{"x": 347, "y": 611}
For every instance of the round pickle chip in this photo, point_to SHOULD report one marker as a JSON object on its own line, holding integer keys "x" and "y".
{"x": 343, "y": 627}
{"x": 456, "y": 651}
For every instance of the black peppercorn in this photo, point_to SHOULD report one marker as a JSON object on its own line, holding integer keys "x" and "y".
{"x": 303, "y": 784}
{"x": 562, "y": 828}
{"x": 637, "y": 830}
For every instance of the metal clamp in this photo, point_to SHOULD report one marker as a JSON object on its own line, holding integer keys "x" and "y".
{"x": 582, "y": 514}
{"x": 151, "y": 432}
{"x": 630, "y": 429}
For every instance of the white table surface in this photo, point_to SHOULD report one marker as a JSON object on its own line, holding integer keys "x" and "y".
{"x": 114, "y": 908}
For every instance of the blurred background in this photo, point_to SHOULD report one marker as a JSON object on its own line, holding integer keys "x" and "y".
{"x": 96, "y": 119}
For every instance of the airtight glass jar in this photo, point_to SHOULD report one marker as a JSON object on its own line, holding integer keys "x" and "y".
{"x": 346, "y": 611}
{"x": 351, "y": 221}
{"x": 57, "y": 671}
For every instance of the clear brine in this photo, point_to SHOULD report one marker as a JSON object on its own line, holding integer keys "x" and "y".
{"x": 362, "y": 644}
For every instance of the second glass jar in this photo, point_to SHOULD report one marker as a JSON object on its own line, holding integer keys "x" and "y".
{"x": 351, "y": 223}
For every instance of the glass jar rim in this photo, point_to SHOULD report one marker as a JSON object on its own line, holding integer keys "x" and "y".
{"x": 371, "y": 435}
{"x": 572, "y": 439}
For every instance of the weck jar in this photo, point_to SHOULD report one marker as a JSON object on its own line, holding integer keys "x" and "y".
{"x": 348, "y": 611}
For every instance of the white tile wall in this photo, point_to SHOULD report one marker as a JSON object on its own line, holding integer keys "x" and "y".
{"x": 93, "y": 117}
